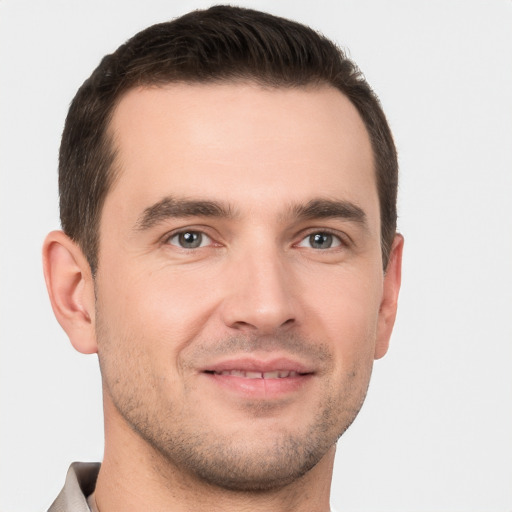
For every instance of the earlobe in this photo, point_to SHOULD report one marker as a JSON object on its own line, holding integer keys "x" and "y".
{"x": 391, "y": 289}
{"x": 71, "y": 290}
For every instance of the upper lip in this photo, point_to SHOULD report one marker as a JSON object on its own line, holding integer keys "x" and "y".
{"x": 252, "y": 364}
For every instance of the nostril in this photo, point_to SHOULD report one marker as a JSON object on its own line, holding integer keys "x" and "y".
{"x": 260, "y": 325}
{"x": 243, "y": 325}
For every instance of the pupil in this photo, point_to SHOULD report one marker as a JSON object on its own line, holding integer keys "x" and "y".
{"x": 321, "y": 240}
{"x": 190, "y": 239}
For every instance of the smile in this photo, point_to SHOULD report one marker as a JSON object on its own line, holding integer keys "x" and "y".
{"x": 256, "y": 379}
{"x": 276, "y": 374}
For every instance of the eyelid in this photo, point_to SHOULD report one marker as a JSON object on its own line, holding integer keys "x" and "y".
{"x": 344, "y": 240}
{"x": 204, "y": 242}
{"x": 165, "y": 240}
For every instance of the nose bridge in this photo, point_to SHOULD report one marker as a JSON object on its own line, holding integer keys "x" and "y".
{"x": 259, "y": 296}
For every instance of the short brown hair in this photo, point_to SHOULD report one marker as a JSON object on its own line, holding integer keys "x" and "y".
{"x": 215, "y": 45}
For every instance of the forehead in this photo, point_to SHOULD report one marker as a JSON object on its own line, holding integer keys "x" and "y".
{"x": 242, "y": 143}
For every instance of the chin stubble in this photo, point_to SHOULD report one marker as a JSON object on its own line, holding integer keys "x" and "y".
{"x": 234, "y": 462}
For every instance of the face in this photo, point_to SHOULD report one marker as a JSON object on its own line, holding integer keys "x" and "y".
{"x": 240, "y": 284}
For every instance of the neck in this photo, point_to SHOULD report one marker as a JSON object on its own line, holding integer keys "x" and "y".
{"x": 134, "y": 476}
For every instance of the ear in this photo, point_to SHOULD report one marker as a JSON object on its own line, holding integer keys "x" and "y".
{"x": 388, "y": 305}
{"x": 71, "y": 289}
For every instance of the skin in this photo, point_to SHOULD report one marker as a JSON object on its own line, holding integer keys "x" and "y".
{"x": 257, "y": 294}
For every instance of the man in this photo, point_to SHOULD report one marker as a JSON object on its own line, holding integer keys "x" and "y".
{"x": 229, "y": 249}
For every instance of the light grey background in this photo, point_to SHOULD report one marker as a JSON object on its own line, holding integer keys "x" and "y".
{"x": 436, "y": 431}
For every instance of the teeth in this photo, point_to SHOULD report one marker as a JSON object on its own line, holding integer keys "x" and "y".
{"x": 276, "y": 374}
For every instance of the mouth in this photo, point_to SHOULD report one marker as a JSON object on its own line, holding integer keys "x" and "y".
{"x": 274, "y": 374}
{"x": 260, "y": 379}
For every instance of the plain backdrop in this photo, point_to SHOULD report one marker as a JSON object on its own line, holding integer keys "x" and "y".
{"x": 435, "y": 433}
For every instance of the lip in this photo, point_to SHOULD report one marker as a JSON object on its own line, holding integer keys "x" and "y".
{"x": 284, "y": 377}
{"x": 251, "y": 364}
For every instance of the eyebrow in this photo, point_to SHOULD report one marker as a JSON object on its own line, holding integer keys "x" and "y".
{"x": 170, "y": 207}
{"x": 329, "y": 208}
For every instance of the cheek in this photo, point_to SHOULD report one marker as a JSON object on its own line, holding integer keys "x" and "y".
{"x": 162, "y": 310}
{"x": 137, "y": 356}
{"x": 348, "y": 306}
{"x": 347, "y": 314}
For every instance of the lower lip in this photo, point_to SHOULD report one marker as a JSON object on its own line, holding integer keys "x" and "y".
{"x": 260, "y": 388}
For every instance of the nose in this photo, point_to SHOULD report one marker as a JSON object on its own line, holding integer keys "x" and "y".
{"x": 259, "y": 295}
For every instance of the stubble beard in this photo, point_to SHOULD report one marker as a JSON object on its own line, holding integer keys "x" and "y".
{"x": 190, "y": 446}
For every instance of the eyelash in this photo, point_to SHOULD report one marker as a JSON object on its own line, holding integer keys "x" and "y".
{"x": 339, "y": 240}
{"x": 167, "y": 239}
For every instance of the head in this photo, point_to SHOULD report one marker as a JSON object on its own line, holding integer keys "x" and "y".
{"x": 228, "y": 187}
{"x": 221, "y": 44}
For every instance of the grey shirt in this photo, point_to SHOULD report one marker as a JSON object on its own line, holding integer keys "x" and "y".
{"x": 80, "y": 483}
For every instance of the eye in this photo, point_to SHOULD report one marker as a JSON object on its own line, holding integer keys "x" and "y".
{"x": 321, "y": 240}
{"x": 189, "y": 239}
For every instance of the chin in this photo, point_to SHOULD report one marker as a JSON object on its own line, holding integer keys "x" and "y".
{"x": 247, "y": 462}
{"x": 256, "y": 470}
